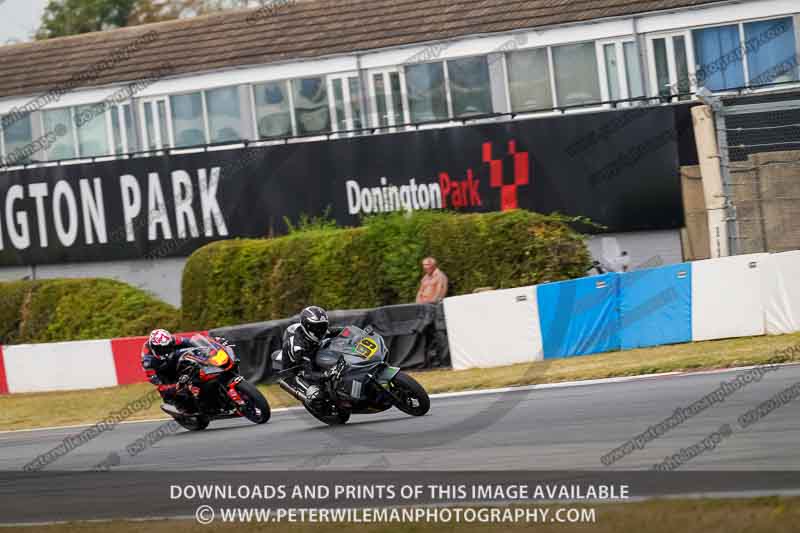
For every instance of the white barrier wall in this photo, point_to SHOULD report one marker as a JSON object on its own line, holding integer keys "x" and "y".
{"x": 59, "y": 366}
{"x": 781, "y": 281}
{"x": 727, "y": 297}
{"x": 494, "y": 328}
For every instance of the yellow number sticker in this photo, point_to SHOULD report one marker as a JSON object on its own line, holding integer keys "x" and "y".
{"x": 366, "y": 347}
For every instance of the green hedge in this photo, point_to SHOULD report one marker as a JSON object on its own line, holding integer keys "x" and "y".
{"x": 238, "y": 281}
{"x": 76, "y": 309}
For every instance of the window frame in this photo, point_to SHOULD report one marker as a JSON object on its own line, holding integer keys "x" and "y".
{"x": 2, "y": 143}
{"x": 35, "y": 122}
{"x": 287, "y": 88}
{"x": 153, "y": 101}
{"x": 688, "y": 34}
{"x": 73, "y": 130}
{"x": 691, "y": 63}
{"x": 622, "y": 69}
{"x": 386, "y": 74}
{"x": 550, "y": 81}
{"x": 119, "y": 109}
{"x": 344, "y": 79}
{"x": 450, "y": 105}
{"x": 242, "y": 113}
{"x": 557, "y": 108}
{"x": 171, "y": 124}
{"x": 446, "y": 83}
{"x": 795, "y": 18}
{"x": 295, "y": 121}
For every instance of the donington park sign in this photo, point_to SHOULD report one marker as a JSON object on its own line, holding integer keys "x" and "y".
{"x": 170, "y": 205}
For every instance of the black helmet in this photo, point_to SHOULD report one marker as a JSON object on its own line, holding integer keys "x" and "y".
{"x": 314, "y": 322}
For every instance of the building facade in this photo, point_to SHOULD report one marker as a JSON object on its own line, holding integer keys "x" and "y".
{"x": 317, "y": 70}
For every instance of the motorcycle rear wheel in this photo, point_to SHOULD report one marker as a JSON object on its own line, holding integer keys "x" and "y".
{"x": 414, "y": 398}
{"x": 195, "y": 423}
{"x": 253, "y": 400}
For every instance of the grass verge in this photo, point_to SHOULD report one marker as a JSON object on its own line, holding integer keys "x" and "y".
{"x": 21, "y": 411}
{"x": 755, "y": 515}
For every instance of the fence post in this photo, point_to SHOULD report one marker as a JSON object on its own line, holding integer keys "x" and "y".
{"x": 727, "y": 184}
{"x": 710, "y": 162}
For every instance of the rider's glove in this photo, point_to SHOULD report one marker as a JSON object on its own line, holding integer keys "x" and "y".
{"x": 183, "y": 380}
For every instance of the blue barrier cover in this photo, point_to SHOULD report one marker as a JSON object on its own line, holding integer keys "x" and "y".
{"x": 580, "y": 316}
{"x": 656, "y": 306}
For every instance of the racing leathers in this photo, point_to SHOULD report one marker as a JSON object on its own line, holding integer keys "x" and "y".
{"x": 299, "y": 350}
{"x": 163, "y": 372}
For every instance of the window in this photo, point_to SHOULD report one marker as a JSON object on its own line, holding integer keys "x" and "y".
{"x": 311, "y": 106}
{"x": 346, "y": 101}
{"x": 17, "y": 136}
{"x": 340, "y": 121}
{"x": 155, "y": 126}
{"x": 122, "y": 129}
{"x": 719, "y": 59}
{"x": 470, "y": 88}
{"x": 662, "y": 67}
{"x": 187, "y": 119}
{"x": 575, "y": 71}
{"x": 224, "y": 115}
{"x": 92, "y": 131}
{"x": 387, "y": 94}
{"x": 671, "y": 63}
{"x": 427, "y": 99}
{"x": 60, "y": 122}
{"x": 529, "y": 80}
{"x": 620, "y": 70}
{"x": 273, "y": 110}
{"x": 771, "y": 51}
{"x": 612, "y": 71}
{"x": 681, "y": 65}
{"x": 633, "y": 70}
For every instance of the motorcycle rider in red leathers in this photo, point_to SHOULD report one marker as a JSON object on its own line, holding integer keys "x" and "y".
{"x": 160, "y": 364}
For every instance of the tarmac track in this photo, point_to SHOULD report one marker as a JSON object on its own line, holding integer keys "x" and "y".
{"x": 557, "y": 428}
{"x": 567, "y": 427}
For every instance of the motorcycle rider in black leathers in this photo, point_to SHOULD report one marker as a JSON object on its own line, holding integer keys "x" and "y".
{"x": 301, "y": 341}
{"x": 161, "y": 367}
{"x": 160, "y": 364}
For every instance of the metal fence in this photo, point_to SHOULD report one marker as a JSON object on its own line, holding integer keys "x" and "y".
{"x": 759, "y": 144}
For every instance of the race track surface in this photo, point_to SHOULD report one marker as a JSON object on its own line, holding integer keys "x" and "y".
{"x": 551, "y": 428}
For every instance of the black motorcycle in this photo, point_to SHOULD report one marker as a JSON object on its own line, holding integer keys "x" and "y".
{"x": 209, "y": 371}
{"x": 359, "y": 379}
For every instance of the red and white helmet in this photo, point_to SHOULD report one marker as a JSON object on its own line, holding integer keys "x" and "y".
{"x": 161, "y": 342}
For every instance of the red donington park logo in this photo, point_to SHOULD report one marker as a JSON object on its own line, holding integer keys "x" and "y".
{"x": 447, "y": 192}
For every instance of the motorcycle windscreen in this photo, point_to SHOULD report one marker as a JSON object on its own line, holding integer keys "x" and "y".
{"x": 357, "y": 347}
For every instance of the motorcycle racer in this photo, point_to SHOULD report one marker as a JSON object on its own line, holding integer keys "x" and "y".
{"x": 160, "y": 364}
{"x": 301, "y": 341}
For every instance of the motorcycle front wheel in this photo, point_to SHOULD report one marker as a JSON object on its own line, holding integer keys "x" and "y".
{"x": 256, "y": 408}
{"x": 413, "y": 398}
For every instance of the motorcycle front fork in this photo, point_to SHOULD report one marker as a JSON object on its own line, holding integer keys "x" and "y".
{"x": 233, "y": 394}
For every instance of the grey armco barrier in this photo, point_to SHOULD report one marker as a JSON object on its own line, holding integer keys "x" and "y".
{"x": 415, "y": 334}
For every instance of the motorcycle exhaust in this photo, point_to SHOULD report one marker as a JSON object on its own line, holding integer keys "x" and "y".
{"x": 291, "y": 390}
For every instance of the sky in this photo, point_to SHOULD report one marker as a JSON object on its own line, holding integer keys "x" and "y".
{"x": 19, "y": 19}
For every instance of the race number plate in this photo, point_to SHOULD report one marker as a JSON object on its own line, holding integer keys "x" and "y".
{"x": 366, "y": 348}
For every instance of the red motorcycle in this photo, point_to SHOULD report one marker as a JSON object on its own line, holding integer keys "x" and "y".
{"x": 210, "y": 370}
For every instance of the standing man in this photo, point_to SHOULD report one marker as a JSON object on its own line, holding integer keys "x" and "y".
{"x": 433, "y": 285}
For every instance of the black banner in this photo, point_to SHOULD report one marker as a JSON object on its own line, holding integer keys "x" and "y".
{"x": 415, "y": 335}
{"x": 625, "y": 178}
